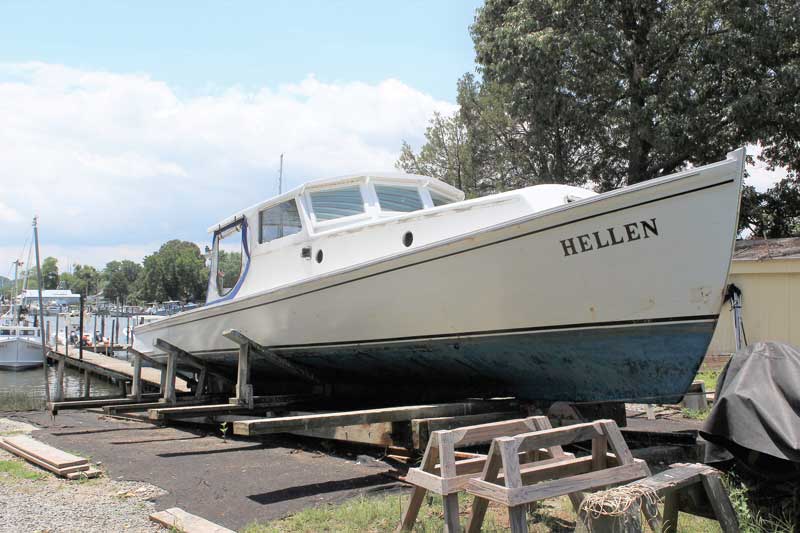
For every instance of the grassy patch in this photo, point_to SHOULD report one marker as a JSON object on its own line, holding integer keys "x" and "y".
{"x": 18, "y": 470}
{"x": 382, "y": 513}
{"x": 695, "y": 414}
{"x": 20, "y": 401}
{"x": 709, "y": 377}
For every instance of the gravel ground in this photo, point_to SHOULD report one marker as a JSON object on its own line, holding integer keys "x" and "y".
{"x": 55, "y": 505}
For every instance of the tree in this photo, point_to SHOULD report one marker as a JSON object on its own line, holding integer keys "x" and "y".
{"x": 638, "y": 89}
{"x": 119, "y": 277}
{"x": 175, "y": 272}
{"x": 50, "y": 273}
{"x": 772, "y": 214}
{"x": 84, "y": 280}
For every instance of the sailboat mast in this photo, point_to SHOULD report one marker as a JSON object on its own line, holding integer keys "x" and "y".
{"x": 41, "y": 312}
{"x": 280, "y": 177}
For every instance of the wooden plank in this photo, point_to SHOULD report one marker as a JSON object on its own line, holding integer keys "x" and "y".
{"x": 378, "y": 434}
{"x": 599, "y": 451}
{"x": 558, "y": 487}
{"x": 136, "y": 389}
{"x": 30, "y": 458}
{"x": 179, "y": 520}
{"x": 720, "y": 502}
{"x": 54, "y": 407}
{"x": 616, "y": 441}
{"x": 57, "y": 458}
{"x": 421, "y": 428}
{"x": 144, "y": 406}
{"x": 169, "y": 383}
{"x": 558, "y": 436}
{"x": 426, "y": 480}
{"x": 418, "y": 494}
{"x": 84, "y": 474}
{"x": 348, "y": 418}
{"x": 483, "y": 433}
{"x": 581, "y": 482}
{"x": 489, "y": 475}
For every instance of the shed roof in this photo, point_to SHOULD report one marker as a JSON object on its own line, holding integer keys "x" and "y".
{"x": 758, "y": 249}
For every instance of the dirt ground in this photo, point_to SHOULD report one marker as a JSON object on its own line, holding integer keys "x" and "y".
{"x": 231, "y": 482}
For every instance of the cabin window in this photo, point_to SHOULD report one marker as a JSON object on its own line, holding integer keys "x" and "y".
{"x": 439, "y": 199}
{"x": 393, "y": 198}
{"x": 279, "y": 221}
{"x": 337, "y": 203}
{"x": 5, "y": 332}
{"x": 229, "y": 258}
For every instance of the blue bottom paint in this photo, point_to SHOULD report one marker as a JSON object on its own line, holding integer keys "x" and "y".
{"x": 653, "y": 362}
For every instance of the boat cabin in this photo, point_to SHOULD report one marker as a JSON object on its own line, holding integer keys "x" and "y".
{"x": 21, "y": 331}
{"x": 307, "y": 213}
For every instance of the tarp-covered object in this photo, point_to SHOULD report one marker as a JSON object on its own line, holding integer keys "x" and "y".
{"x": 758, "y": 405}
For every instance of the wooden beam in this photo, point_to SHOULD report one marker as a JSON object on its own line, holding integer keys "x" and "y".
{"x": 160, "y": 412}
{"x": 190, "y": 359}
{"x": 272, "y": 358}
{"x": 176, "y": 519}
{"x": 169, "y": 380}
{"x": 367, "y": 416}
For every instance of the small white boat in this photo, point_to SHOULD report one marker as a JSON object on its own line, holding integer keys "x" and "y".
{"x": 551, "y": 292}
{"x": 20, "y": 347}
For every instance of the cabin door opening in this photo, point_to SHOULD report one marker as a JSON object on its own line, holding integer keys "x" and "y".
{"x": 230, "y": 259}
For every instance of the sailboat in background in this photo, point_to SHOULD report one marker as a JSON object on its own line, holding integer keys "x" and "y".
{"x": 20, "y": 340}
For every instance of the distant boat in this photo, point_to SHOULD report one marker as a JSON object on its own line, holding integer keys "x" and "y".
{"x": 379, "y": 282}
{"x": 20, "y": 341}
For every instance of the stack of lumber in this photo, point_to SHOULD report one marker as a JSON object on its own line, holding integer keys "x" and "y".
{"x": 57, "y": 461}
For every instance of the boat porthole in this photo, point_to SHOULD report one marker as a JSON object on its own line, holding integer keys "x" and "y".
{"x": 408, "y": 238}
{"x": 319, "y": 256}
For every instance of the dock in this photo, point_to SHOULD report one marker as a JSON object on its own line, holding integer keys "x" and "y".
{"x": 96, "y": 364}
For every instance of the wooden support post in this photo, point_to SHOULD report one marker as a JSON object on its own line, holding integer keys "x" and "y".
{"x": 244, "y": 390}
{"x": 418, "y": 495}
{"x": 671, "y": 513}
{"x": 272, "y": 358}
{"x": 136, "y": 388}
{"x": 87, "y": 384}
{"x": 201, "y": 383}
{"x": 448, "y": 469}
{"x": 720, "y": 502}
{"x": 168, "y": 378}
{"x": 62, "y": 362}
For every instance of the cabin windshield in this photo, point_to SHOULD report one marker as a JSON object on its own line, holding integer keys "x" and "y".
{"x": 398, "y": 198}
{"x": 228, "y": 251}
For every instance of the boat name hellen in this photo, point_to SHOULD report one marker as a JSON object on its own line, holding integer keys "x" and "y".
{"x": 632, "y": 231}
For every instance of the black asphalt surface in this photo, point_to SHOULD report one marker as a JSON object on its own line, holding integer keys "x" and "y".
{"x": 232, "y": 482}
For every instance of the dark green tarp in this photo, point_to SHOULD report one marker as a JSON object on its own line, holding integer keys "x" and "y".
{"x": 757, "y": 406}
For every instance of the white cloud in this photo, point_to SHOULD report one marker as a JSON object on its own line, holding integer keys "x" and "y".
{"x": 110, "y": 161}
{"x": 759, "y": 176}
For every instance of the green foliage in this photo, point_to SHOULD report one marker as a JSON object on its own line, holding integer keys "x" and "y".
{"x": 709, "y": 378}
{"x": 614, "y": 93}
{"x": 18, "y": 470}
{"x": 84, "y": 280}
{"x": 230, "y": 264}
{"x": 50, "y": 273}
{"x": 381, "y": 513}
{"x": 695, "y": 414}
{"x": 774, "y": 213}
{"x": 119, "y": 278}
{"x": 223, "y": 428}
{"x": 751, "y": 520}
{"x": 176, "y": 271}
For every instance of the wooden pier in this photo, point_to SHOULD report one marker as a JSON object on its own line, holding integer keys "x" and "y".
{"x": 95, "y": 364}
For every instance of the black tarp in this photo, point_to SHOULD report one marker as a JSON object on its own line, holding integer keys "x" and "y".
{"x": 757, "y": 407}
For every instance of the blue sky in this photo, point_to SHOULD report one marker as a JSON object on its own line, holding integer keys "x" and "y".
{"x": 202, "y": 46}
{"x": 126, "y": 124}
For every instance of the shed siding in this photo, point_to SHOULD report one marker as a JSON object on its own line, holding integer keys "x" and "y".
{"x": 770, "y": 304}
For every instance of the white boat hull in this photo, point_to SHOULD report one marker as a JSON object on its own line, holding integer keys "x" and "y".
{"x": 614, "y": 297}
{"x": 19, "y": 353}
